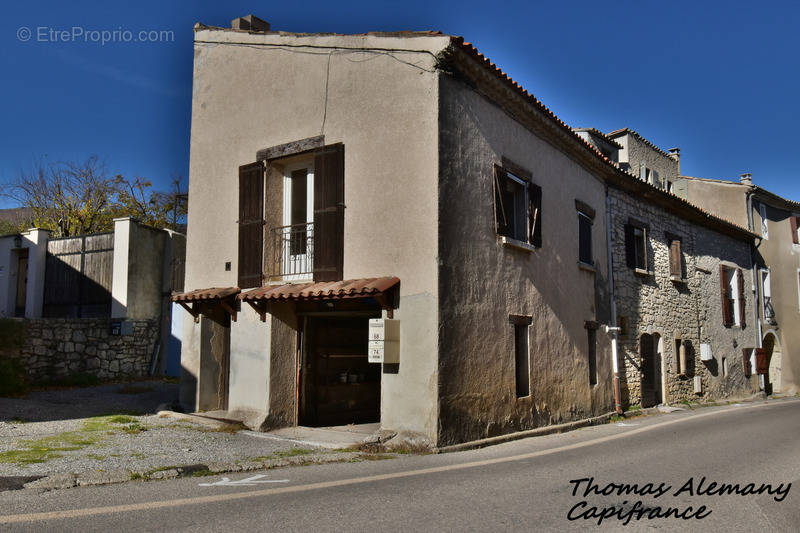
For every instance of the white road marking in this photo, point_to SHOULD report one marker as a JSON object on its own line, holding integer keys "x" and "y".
{"x": 218, "y": 498}
{"x": 249, "y": 482}
{"x": 623, "y": 424}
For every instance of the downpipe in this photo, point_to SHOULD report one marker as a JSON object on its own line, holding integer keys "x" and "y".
{"x": 612, "y": 328}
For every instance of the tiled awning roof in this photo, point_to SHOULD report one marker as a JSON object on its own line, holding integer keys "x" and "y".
{"x": 200, "y": 295}
{"x": 325, "y": 290}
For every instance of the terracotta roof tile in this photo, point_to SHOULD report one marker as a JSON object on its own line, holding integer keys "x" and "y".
{"x": 324, "y": 290}
{"x": 214, "y": 293}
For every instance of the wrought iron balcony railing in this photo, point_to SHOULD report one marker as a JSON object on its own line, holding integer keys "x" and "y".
{"x": 293, "y": 250}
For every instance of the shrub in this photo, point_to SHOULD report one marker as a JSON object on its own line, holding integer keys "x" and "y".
{"x": 12, "y": 378}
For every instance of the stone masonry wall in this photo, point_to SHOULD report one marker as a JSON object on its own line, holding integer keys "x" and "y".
{"x": 56, "y": 348}
{"x": 689, "y": 310}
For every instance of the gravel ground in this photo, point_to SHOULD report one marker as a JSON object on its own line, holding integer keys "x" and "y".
{"x": 91, "y": 429}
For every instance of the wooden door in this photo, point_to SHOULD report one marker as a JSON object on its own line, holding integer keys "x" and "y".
{"x": 22, "y": 283}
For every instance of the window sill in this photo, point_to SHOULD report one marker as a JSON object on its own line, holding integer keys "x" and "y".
{"x": 643, "y": 273}
{"x": 677, "y": 279}
{"x": 587, "y": 267}
{"x": 519, "y": 245}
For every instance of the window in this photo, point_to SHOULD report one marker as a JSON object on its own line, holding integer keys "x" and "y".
{"x": 668, "y": 185}
{"x": 794, "y": 223}
{"x": 732, "y": 290}
{"x": 636, "y": 245}
{"x": 592, "y": 337}
{"x": 766, "y": 296}
{"x": 518, "y": 207}
{"x": 675, "y": 257}
{"x": 762, "y": 209}
{"x": 724, "y": 366}
{"x": 521, "y": 355}
{"x": 585, "y": 239}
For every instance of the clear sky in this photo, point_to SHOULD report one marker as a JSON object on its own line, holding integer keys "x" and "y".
{"x": 720, "y": 80}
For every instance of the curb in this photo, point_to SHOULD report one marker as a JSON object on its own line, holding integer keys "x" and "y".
{"x": 108, "y": 477}
{"x": 538, "y": 432}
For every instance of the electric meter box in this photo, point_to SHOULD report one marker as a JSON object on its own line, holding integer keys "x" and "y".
{"x": 384, "y": 341}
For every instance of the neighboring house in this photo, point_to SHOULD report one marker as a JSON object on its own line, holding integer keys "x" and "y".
{"x": 93, "y": 303}
{"x": 336, "y": 179}
{"x": 777, "y": 255}
{"x": 644, "y": 159}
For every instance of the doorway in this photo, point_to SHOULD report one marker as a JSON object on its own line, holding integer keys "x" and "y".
{"x": 650, "y": 349}
{"x": 22, "y": 283}
{"x": 772, "y": 383}
{"x": 338, "y": 384}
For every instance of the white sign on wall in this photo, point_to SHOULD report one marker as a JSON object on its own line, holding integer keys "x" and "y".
{"x": 384, "y": 341}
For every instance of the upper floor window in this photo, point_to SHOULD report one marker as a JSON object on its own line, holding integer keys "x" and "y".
{"x": 636, "y": 245}
{"x": 675, "y": 257}
{"x": 518, "y": 207}
{"x": 766, "y": 295}
{"x": 585, "y": 221}
{"x": 794, "y": 222}
{"x": 307, "y": 240}
{"x": 732, "y": 291}
{"x": 762, "y": 211}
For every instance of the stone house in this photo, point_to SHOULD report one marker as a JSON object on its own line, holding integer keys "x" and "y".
{"x": 776, "y": 279}
{"x": 402, "y": 182}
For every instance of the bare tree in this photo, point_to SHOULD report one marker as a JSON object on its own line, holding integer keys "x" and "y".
{"x": 79, "y": 198}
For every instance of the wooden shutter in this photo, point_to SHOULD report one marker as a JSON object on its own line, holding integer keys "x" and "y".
{"x": 251, "y": 225}
{"x": 746, "y": 362}
{"x": 630, "y": 247}
{"x": 329, "y": 213}
{"x": 727, "y": 312}
{"x": 500, "y": 218}
{"x": 675, "y": 259}
{"x": 740, "y": 287}
{"x": 535, "y": 214}
{"x": 793, "y": 223}
{"x": 762, "y": 361}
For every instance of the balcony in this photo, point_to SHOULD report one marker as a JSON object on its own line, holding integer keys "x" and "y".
{"x": 293, "y": 252}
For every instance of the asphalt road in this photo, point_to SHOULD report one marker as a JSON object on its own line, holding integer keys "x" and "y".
{"x": 521, "y": 485}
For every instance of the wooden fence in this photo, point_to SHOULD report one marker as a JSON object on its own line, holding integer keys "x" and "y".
{"x": 78, "y": 276}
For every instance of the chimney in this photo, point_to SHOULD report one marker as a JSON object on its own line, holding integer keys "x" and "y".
{"x": 250, "y": 23}
{"x": 746, "y": 178}
{"x": 675, "y": 153}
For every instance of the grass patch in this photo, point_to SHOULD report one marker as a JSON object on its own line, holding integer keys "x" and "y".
{"x": 202, "y": 473}
{"x": 375, "y": 456}
{"x": 294, "y": 452}
{"x": 616, "y": 418}
{"x": 137, "y": 455}
{"x": 136, "y": 475}
{"x": 134, "y": 429}
{"x": 95, "y": 456}
{"x": 635, "y": 407}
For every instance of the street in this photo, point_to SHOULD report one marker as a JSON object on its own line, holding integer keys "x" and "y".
{"x": 679, "y": 460}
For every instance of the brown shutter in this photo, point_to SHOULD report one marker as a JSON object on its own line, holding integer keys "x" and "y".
{"x": 675, "y": 260}
{"x": 251, "y": 224}
{"x": 727, "y": 312}
{"x": 793, "y": 223}
{"x": 500, "y": 219}
{"x": 630, "y": 248}
{"x": 746, "y": 362}
{"x": 535, "y": 214}
{"x": 329, "y": 213}
{"x": 762, "y": 361}
{"x": 740, "y": 280}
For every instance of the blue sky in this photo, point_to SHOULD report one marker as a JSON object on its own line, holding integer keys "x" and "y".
{"x": 718, "y": 80}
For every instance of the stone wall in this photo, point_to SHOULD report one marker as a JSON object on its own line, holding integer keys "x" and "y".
{"x": 690, "y": 310}
{"x": 55, "y": 348}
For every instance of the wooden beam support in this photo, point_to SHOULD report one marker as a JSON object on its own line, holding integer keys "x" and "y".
{"x": 261, "y": 309}
{"x": 191, "y": 310}
{"x": 226, "y": 305}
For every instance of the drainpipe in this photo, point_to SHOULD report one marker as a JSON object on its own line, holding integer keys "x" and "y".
{"x": 756, "y": 287}
{"x": 612, "y": 328}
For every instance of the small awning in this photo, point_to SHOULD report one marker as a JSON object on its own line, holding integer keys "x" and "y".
{"x": 381, "y": 289}
{"x": 198, "y": 301}
{"x": 214, "y": 293}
